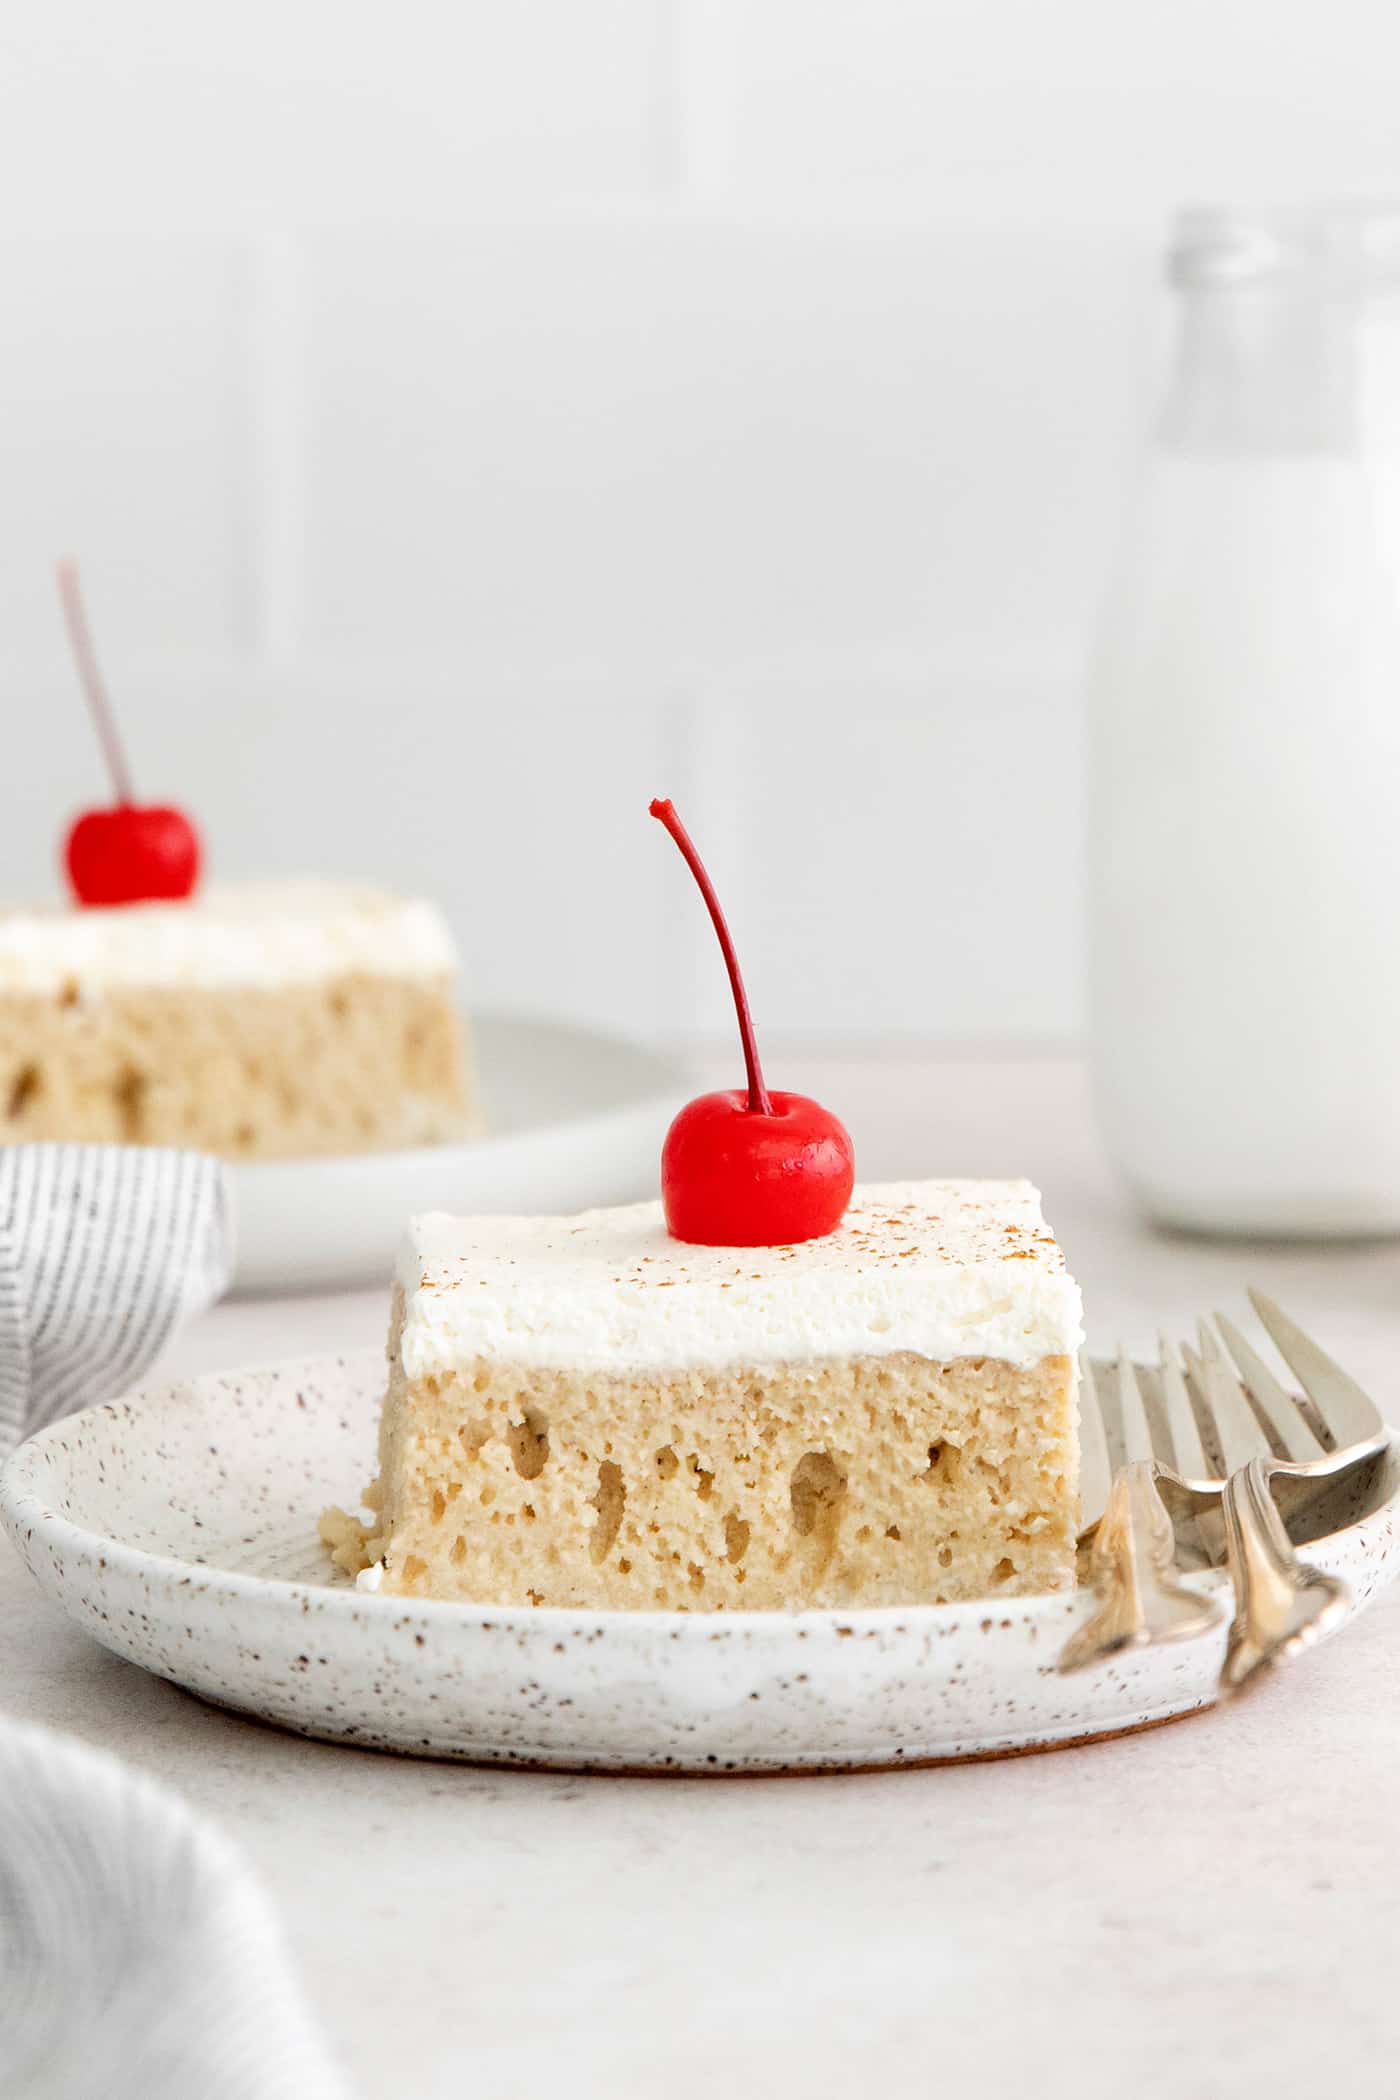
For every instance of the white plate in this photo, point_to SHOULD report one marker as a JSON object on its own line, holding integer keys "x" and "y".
{"x": 178, "y": 1528}
{"x": 575, "y": 1118}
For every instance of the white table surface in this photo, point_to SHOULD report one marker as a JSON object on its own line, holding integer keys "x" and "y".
{"x": 1209, "y": 1909}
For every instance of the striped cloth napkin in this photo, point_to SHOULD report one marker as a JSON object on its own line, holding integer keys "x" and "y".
{"x": 104, "y": 1251}
{"x": 138, "y": 1958}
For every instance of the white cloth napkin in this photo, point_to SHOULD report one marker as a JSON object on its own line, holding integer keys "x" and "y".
{"x": 104, "y": 1251}
{"x": 138, "y": 1957}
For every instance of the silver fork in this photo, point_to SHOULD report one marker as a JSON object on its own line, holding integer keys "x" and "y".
{"x": 1257, "y": 1431}
{"x": 1281, "y": 1604}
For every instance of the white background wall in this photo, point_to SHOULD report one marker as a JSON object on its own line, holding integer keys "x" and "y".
{"x": 473, "y": 418}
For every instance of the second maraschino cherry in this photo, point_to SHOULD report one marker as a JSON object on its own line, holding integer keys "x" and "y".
{"x": 130, "y": 853}
{"x": 750, "y": 1168}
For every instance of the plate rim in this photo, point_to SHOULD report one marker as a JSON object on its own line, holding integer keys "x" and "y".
{"x": 890, "y": 1690}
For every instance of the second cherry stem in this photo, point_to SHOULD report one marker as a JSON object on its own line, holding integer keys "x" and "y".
{"x": 81, "y": 637}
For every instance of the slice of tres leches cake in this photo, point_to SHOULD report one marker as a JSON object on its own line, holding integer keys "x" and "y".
{"x": 588, "y": 1412}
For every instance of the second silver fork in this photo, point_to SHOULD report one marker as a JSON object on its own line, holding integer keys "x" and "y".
{"x": 1133, "y": 1549}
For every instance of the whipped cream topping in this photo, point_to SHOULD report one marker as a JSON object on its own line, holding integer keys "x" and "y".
{"x": 257, "y": 934}
{"x": 942, "y": 1269}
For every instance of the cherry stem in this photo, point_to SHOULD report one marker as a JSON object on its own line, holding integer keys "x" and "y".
{"x": 759, "y": 1102}
{"x": 80, "y": 636}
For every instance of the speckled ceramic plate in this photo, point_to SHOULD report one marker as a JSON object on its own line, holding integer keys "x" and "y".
{"x": 178, "y": 1528}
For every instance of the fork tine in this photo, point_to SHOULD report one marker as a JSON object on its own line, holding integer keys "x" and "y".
{"x": 1095, "y": 1472}
{"x": 1236, "y": 1432}
{"x": 1132, "y": 1414}
{"x": 1348, "y": 1414}
{"x": 1187, "y": 1453}
{"x": 1276, "y": 1402}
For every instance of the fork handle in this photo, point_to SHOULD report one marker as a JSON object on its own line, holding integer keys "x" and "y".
{"x": 1142, "y": 1603}
{"x": 1281, "y": 1605}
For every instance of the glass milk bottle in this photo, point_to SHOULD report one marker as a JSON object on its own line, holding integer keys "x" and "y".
{"x": 1245, "y": 747}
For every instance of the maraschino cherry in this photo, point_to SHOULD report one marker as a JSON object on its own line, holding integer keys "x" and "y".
{"x": 128, "y": 854}
{"x": 749, "y": 1168}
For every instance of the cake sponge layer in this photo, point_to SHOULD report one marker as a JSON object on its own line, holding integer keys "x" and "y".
{"x": 885, "y": 1480}
{"x": 352, "y": 1063}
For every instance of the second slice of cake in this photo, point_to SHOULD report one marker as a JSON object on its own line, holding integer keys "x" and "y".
{"x": 258, "y": 1021}
{"x": 584, "y": 1411}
